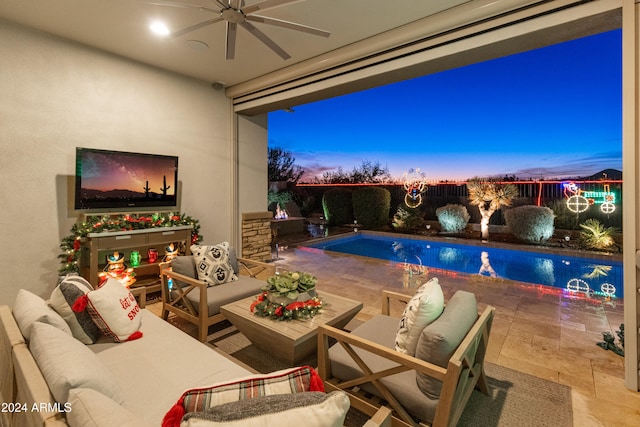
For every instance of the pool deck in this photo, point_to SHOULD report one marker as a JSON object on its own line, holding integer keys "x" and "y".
{"x": 537, "y": 329}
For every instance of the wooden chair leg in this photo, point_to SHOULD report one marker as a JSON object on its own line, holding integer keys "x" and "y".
{"x": 482, "y": 385}
{"x": 203, "y": 330}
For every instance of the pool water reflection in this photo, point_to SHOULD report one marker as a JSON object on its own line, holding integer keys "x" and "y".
{"x": 584, "y": 275}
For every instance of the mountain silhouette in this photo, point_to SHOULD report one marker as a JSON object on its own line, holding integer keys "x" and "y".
{"x": 605, "y": 174}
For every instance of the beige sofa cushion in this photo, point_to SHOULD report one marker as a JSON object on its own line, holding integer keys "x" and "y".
{"x": 164, "y": 362}
{"x": 29, "y": 308}
{"x": 90, "y": 408}
{"x": 66, "y": 363}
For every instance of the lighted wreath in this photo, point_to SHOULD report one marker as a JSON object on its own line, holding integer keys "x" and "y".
{"x": 71, "y": 245}
{"x": 296, "y": 310}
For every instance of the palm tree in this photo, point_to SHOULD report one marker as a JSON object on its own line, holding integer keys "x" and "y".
{"x": 489, "y": 196}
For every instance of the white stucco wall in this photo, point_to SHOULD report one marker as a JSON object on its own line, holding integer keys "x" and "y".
{"x": 56, "y": 95}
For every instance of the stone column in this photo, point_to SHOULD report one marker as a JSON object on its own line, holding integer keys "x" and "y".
{"x": 256, "y": 235}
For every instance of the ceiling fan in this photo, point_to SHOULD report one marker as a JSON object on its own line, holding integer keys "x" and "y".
{"x": 235, "y": 14}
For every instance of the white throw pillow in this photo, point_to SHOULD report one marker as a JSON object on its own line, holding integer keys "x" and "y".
{"x": 66, "y": 363}
{"x": 62, "y": 298}
{"x": 90, "y": 408}
{"x": 29, "y": 308}
{"x": 423, "y": 308}
{"x": 311, "y": 409}
{"x": 114, "y": 310}
{"x": 213, "y": 263}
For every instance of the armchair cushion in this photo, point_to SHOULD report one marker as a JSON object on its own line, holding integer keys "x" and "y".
{"x": 440, "y": 339}
{"x": 218, "y": 296}
{"x": 423, "y": 308}
{"x": 212, "y": 264}
{"x": 382, "y": 330}
{"x": 185, "y": 265}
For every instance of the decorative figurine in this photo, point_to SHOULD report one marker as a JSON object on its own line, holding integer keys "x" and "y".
{"x": 117, "y": 269}
{"x": 152, "y": 255}
{"x": 170, "y": 252}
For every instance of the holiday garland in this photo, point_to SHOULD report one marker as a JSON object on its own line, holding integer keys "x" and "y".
{"x": 296, "y": 310}
{"x": 71, "y": 245}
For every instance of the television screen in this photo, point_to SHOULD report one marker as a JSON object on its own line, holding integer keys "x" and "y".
{"x": 116, "y": 179}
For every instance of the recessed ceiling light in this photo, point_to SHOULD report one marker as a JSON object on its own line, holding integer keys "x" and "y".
{"x": 159, "y": 28}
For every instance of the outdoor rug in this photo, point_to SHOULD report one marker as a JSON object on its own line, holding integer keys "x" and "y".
{"x": 517, "y": 399}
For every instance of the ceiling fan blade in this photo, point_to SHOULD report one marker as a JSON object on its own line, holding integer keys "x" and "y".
{"x": 182, "y": 5}
{"x": 230, "y": 49}
{"x": 193, "y": 27}
{"x": 264, "y": 39}
{"x": 266, "y": 4}
{"x": 222, "y": 3}
{"x": 289, "y": 25}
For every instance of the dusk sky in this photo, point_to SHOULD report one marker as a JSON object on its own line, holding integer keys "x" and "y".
{"x": 554, "y": 112}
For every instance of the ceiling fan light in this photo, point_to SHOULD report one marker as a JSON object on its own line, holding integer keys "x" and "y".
{"x": 159, "y": 28}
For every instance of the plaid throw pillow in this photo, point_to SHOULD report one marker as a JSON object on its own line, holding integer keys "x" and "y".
{"x": 288, "y": 381}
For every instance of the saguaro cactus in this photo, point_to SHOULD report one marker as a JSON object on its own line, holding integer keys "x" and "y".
{"x": 146, "y": 189}
{"x": 165, "y": 187}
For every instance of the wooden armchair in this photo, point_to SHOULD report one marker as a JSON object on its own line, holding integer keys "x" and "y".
{"x": 364, "y": 364}
{"x": 191, "y": 299}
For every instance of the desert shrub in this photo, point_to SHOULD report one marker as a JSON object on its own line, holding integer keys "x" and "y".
{"x": 453, "y": 218}
{"x": 595, "y": 235}
{"x": 531, "y": 224}
{"x": 337, "y": 206}
{"x": 568, "y": 220}
{"x": 407, "y": 218}
{"x": 371, "y": 206}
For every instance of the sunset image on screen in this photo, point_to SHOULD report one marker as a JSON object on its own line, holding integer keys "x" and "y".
{"x": 127, "y": 176}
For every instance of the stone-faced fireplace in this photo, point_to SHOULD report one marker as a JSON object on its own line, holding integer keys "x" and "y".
{"x": 256, "y": 235}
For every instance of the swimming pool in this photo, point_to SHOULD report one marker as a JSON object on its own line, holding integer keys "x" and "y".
{"x": 587, "y": 275}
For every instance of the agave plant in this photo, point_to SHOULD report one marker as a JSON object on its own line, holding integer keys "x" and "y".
{"x": 595, "y": 235}
{"x": 290, "y": 284}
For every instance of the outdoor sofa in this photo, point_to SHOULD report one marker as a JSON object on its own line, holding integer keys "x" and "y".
{"x": 151, "y": 372}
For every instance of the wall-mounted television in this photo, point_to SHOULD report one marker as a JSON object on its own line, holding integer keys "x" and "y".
{"x": 107, "y": 179}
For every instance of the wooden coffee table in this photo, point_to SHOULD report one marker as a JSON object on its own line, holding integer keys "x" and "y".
{"x": 292, "y": 340}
